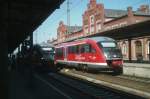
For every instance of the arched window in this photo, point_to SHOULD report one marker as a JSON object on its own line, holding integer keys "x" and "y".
{"x": 92, "y": 19}
{"x": 92, "y": 24}
{"x": 138, "y": 49}
{"x": 148, "y": 49}
{"x": 124, "y": 49}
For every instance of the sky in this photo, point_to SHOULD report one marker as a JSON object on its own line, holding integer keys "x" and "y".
{"x": 48, "y": 29}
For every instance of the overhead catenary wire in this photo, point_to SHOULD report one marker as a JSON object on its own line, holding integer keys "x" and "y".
{"x": 65, "y": 12}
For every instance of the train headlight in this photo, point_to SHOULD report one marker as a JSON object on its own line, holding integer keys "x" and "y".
{"x": 114, "y": 56}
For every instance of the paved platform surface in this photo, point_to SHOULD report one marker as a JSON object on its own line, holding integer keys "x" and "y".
{"x": 137, "y": 69}
{"x": 128, "y": 85}
{"x": 22, "y": 88}
{"x": 137, "y": 64}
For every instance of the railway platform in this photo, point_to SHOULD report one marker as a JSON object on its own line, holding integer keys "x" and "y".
{"x": 21, "y": 88}
{"x": 138, "y": 86}
{"x": 137, "y": 69}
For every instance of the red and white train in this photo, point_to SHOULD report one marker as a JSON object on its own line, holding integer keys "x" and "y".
{"x": 95, "y": 53}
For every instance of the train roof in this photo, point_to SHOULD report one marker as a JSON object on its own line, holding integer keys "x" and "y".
{"x": 96, "y": 39}
{"x": 99, "y": 39}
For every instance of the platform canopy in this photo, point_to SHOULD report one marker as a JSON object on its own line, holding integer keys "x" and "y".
{"x": 128, "y": 32}
{"x": 23, "y": 16}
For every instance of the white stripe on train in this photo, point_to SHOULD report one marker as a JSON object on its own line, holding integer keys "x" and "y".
{"x": 89, "y": 63}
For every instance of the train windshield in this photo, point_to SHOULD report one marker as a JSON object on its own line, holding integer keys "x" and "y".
{"x": 108, "y": 44}
{"x": 110, "y": 49}
{"x": 48, "y": 53}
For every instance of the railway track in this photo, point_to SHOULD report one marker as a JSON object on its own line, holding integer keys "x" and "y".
{"x": 76, "y": 88}
{"x": 65, "y": 91}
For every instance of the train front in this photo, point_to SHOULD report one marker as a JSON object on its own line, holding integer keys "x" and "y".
{"x": 113, "y": 55}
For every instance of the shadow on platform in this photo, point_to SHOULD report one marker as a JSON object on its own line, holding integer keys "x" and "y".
{"x": 21, "y": 88}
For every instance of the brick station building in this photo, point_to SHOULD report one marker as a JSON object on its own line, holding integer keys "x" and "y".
{"x": 97, "y": 19}
{"x": 66, "y": 33}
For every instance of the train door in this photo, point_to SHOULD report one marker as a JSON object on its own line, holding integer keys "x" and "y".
{"x": 82, "y": 53}
{"x": 89, "y": 53}
{"x": 92, "y": 54}
{"x": 86, "y": 52}
{"x": 78, "y": 53}
{"x": 65, "y": 53}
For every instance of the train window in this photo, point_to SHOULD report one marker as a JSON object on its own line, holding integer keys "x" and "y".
{"x": 108, "y": 44}
{"x": 74, "y": 49}
{"x": 77, "y": 49}
{"x": 59, "y": 52}
{"x": 71, "y": 49}
{"x": 93, "y": 50}
{"x": 85, "y": 48}
{"x": 48, "y": 53}
{"x": 82, "y": 49}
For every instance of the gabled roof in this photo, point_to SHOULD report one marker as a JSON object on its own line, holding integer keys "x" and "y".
{"x": 114, "y": 13}
{"x": 73, "y": 29}
{"x": 142, "y": 13}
